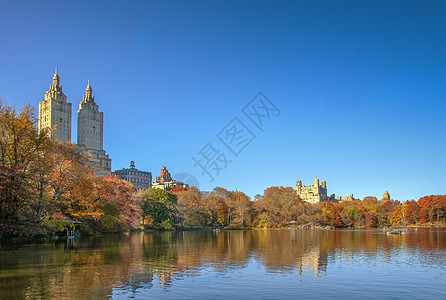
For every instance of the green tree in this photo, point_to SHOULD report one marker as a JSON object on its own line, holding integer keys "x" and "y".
{"x": 158, "y": 208}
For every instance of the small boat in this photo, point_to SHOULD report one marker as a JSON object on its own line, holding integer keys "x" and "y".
{"x": 394, "y": 232}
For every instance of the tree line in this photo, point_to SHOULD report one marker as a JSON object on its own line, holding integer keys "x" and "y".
{"x": 45, "y": 184}
{"x": 281, "y": 206}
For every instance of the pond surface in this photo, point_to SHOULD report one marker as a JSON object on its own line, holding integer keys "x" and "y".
{"x": 318, "y": 264}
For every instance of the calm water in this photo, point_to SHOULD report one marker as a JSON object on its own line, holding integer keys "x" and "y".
{"x": 333, "y": 264}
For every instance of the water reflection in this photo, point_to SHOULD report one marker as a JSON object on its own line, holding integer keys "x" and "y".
{"x": 126, "y": 264}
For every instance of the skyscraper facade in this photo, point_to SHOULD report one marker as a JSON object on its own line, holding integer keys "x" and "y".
{"x": 55, "y": 112}
{"x": 90, "y": 126}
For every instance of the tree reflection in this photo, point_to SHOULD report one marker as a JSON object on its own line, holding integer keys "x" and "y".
{"x": 97, "y": 267}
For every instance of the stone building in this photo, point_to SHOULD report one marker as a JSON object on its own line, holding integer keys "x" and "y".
{"x": 314, "y": 193}
{"x": 165, "y": 181}
{"x": 386, "y": 196}
{"x": 141, "y": 180}
{"x": 55, "y": 112}
{"x": 348, "y": 198}
{"x": 90, "y": 133}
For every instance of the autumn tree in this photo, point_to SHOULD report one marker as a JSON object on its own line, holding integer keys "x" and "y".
{"x": 398, "y": 216}
{"x": 412, "y": 212}
{"x": 432, "y": 208}
{"x": 190, "y": 208}
{"x": 221, "y": 195}
{"x": 371, "y": 204}
{"x": 21, "y": 146}
{"x": 119, "y": 204}
{"x": 68, "y": 174}
{"x": 279, "y": 205}
{"x": 216, "y": 208}
{"x": 352, "y": 213}
{"x": 384, "y": 211}
{"x": 335, "y": 216}
{"x": 240, "y": 206}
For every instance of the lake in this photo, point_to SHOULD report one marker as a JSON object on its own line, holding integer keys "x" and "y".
{"x": 248, "y": 264}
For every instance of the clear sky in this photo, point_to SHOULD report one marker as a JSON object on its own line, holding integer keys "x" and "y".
{"x": 360, "y": 86}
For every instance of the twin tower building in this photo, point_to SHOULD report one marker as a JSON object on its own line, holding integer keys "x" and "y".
{"x": 55, "y": 113}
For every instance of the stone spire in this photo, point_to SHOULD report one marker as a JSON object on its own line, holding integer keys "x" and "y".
{"x": 56, "y": 87}
{"x": 386, "y": 196}
{"x": 88, "y": 93}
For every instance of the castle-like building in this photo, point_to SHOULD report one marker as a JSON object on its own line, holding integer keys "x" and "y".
{"x": 314, "y": 193}
{"x": 55, "y": 113}
{"x": 318, "y": 193}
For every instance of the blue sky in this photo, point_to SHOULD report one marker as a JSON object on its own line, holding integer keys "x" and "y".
{"x": 360, "y": 85}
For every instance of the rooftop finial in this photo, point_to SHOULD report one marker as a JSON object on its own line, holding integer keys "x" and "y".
{"x": 89, "y": 88}
{"x": 55, "y": 72}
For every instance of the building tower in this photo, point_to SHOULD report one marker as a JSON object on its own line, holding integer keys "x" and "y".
{"x": 164, "y": 176}
{"x": 166, "y": 182}
{"x": 90, "y": 124}
{"x": 298, "y": 186}
{"x": 55, "y": 112}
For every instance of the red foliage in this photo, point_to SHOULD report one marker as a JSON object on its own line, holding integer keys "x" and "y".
{"x": 431, "y": 207}
{"x": 370, "y": 220}
{"x": 115, "y": 192}
{"x": 178, "y": 189}
{"x": 412, "y": 212}
{"x": 335, "y": 215}
{"x": 58, "y": 216}
{"x": 422, "y": 216}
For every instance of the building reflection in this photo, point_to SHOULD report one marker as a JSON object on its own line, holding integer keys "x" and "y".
{"x": 311, "y": 263}
{"x": 138, "y": 262}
